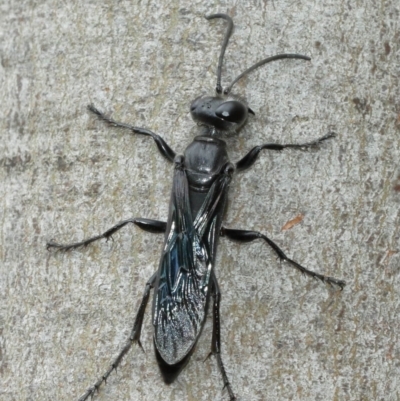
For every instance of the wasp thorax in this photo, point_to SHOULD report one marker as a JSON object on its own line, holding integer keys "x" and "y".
{"x": 224, "y": 114}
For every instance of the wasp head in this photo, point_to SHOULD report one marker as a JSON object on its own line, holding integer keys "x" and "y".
{"x": 227, "y": 114}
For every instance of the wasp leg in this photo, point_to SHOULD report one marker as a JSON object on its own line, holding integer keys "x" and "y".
{"x": 162, "y": 146}
{"x": 152, "y": 226}
{"x": 216, "y": 336}
{"x": 248, "y": 160}
{"x": 248, "y": 236}
{"x": 134, "y": 337}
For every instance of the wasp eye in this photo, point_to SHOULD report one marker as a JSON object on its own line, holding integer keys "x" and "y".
{"x": 232, "y": 111}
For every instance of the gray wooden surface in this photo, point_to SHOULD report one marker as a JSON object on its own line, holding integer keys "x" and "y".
{"x": 65, "y": 176}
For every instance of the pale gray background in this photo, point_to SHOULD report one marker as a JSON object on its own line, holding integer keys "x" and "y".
{"x": 63, "y": 317}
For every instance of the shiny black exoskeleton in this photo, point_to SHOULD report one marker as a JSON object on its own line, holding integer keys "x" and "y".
{"x": 219, "y": 113}
{"x": 185, "y": 279}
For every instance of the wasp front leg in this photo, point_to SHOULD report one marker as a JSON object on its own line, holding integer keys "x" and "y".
{"x": 162, "y": 146}
{"x": 248, "y": 160}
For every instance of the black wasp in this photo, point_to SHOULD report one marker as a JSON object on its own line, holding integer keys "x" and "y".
{"x": 185, "y": 278}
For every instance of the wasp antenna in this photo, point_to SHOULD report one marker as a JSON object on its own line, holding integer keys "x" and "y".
{"x": 262, "y": 62}
{"x": 228, "y": 34}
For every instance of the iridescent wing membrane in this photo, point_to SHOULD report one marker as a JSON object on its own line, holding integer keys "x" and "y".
{"x": 183, "y": 288}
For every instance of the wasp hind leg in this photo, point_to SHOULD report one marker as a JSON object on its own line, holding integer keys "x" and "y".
{"x": 248, "y": 236}
{"x": 134, "y": 337}
{"x": 152, "y": 226}
{"x": 216, "y": 336}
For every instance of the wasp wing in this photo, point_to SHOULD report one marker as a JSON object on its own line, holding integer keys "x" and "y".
{"x": 182, "y": 290}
